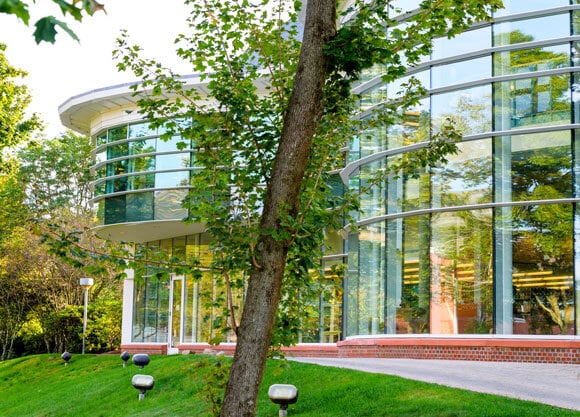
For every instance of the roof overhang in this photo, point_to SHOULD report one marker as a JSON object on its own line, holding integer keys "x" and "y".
{"x": 78, "y": 112}
{"x": 140, "y": 232}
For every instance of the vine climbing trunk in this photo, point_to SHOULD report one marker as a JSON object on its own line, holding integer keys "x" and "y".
{"x": 282, "y": 197}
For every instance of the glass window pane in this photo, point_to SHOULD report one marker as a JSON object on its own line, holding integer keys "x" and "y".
{"x": 101, "y": 157}
{"x": 372, "y": 202}
{"x": 466, "y": 178}
{"x": 101, "y": 138}
{"x": 470, "y": 110}
{"x": 99, "y": 189}
{"x": 115, "y": 209}
{"x": 576, "y": 98}
{"x": 471, "y": 41}
{"x": 372, "y": 97}
{"x": 370, "y": 141}
{"x": 138, "y": 147}
{"x": 172, "y": 144}
{"x": 118, "y": 133}
{"x": 403, "y": 6}
{"x": 541, "y": 166}
{"x": 150, "y": 319}
{"x": 172, "y": 161}
{"x": 575, "y": 19}
{"x": 407, "y": 275}
{"x": 542, "y": 270}
{"x": 397, "y": 88}
{"x": 461, "y": 72}
{"x": 412, "y": 126}
{"x": 172, "y": 179}
{"x": 331, "y": 308}
{"x": 139, "y": 182}
{"x": 101, "y": 172}
{"x": 119, "y": 184}
{"x": 351, "y": 286}
{"x": 372, "y": 72}
{"x": 168, "y": 204}
{"x": 145, "y": 163}
{"x": 519, "y": 6}
{"x": 529, "y": 60}
{"x": 461, "y": 281}
{"x": 117, "y": 168}
{"x": 139, "y": 207}
{"x": 367, "y": 284}
{"x": 541, "y": 28}
{"x": 406, "y": 193}
{"x": 532, "y": 102}
{"x": 117, "y": 151}
{"x": 140, "y": 130}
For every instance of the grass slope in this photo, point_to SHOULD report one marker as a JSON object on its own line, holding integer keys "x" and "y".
{"x": 99, "y": 386}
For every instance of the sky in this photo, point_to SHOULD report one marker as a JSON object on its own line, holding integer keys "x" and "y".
{"x": 67, "y": 68}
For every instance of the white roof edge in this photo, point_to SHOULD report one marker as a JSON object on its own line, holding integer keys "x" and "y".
{"x": 70, "y": 107}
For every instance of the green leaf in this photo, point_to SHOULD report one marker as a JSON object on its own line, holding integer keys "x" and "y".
{"x": 71, "y": 9}
{"x": 17, "y": 8}
{"x": 46, "y": 31}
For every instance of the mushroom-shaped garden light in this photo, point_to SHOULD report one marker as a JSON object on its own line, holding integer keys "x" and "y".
{"x": 66, "y": 357}
{"x": 125, "y": 357}
{"x": 143, "y": 383}
{"x": 141, "y": 360}
{"x": 283, "y": 394}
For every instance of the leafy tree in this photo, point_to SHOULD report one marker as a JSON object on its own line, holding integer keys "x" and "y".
{"x": 104, "y": 325}
{"x": 264, "y": 189}
{"x": 15, "y": 127}
{"x": 48, "y": 193}
{"x": 20, "y": 286}
{"x": 14, "y": 212}
{"x": 45, "y": 27}
{"x": 56, "y": 174}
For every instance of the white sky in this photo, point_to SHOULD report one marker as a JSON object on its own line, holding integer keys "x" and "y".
{"x": 67, "y": 68}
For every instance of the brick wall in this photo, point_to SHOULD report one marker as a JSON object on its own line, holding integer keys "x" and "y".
{"x": 149, "y": 348}
{"x": 493, "y": 350}
{"x": 480, "y": 349}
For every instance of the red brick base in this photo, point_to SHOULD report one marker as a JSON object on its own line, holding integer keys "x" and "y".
{"x": 470, "y": 349}
{"x": 474, "y": 349}
{"x": 149, "y": 348}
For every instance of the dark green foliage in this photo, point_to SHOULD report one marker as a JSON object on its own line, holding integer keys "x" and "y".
{"x": 15, "y": 126}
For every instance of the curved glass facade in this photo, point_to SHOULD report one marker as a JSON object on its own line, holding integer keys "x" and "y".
{"x": 487, "y": 243}
{"x": 139, "y": 176}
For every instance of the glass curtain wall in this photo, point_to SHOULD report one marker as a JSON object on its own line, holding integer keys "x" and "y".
{"x": 139, "y": 176}
{"x": 488, "y": 242}
{"x": 196, "y": 300}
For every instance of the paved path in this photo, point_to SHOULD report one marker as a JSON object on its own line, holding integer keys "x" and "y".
{"x": 557, "y": 385}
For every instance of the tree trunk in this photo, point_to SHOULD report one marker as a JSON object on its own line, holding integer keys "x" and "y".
{"x": 263, "y": 294}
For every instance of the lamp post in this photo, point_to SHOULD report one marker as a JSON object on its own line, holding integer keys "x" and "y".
{"x": 86, "y": 283}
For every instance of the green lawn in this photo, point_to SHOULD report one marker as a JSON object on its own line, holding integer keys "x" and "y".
{"x": 93, "y": 386}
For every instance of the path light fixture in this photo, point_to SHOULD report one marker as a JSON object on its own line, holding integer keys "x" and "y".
{"x": 66, "y": 357}
{"x": 125, "y": 357}
{"x": 143, "y": 383}
{"x": 86, "y": 284}
{"x": 141, "y": 360}
{"x": 283, "y": 394}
